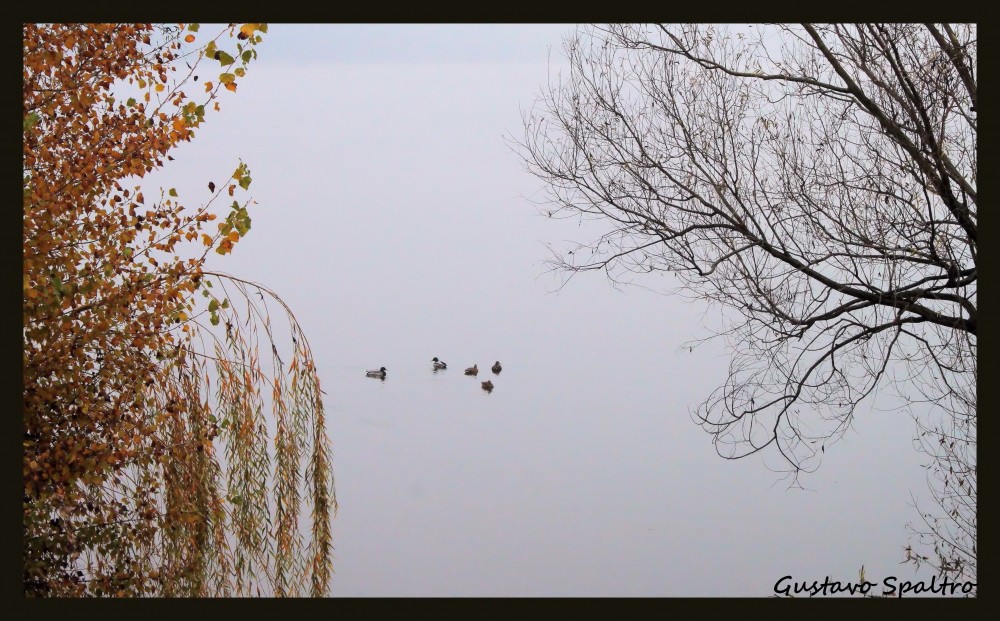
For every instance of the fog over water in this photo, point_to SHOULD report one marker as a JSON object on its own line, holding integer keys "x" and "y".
{"x": 395, "y": 222}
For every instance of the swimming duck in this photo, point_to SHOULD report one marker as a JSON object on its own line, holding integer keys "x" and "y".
{"x": 488, "y": 386}
{"x": 439, "y": 364}
{"x": 379, "y": 373}
{"x": 497, "y": 368}
{"x": 473, "y": 370}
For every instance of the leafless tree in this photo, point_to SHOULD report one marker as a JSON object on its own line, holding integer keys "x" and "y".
{"x": 948, "y": 436}
{"x": 819, "y": 181}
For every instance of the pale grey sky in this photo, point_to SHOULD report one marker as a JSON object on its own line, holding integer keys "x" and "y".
{"x": 392, "y": 218}
{"x": 318, "y": 44}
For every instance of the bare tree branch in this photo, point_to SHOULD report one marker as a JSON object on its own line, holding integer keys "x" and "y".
{"x": 817, "y": 181}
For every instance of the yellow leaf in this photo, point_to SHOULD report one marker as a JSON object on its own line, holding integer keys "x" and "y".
{"x": 234, "y": 235}
{"x": 248, "y": 29}
{"x": 208, "y": 86}
{"x": 159, "y": 88}
{"x": 206, "y": 239}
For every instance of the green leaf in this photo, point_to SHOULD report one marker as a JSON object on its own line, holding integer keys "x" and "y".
{"x": 214, "y": 318}
{"x": 193, "y": 27}
{"x": 225, "y": 302}
{"x": 172, "y": 192}
{"x": 262, "y": 27}
{"x": 214, "y": 304}
{"x": 130, "y": 102}
{"x": 57, "y": 283}
{"x": 246, "y": 56}
{"x": 245, "y": 182}
{"x": 242, "y": 221}
{"x": 31, "y": 120}
{"x": 224, "y": 59}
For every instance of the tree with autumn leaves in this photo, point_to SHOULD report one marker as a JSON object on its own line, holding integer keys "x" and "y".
{"x": 174, "y": 436}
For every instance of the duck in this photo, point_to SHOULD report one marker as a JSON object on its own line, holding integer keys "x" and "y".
{"x": 379, "y": 373}
{"x": 473, "y": 370}
{"x": 497, "y": 368}
{"x": 488, "y": 386}
{"x": 439, "y": 364}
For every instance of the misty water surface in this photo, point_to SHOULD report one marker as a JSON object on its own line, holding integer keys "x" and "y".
{"x": 396, "y": 223}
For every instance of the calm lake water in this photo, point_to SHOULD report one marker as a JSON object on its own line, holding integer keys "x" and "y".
{"x": 393, "y": 219}
{"x": 582, "y": 474}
